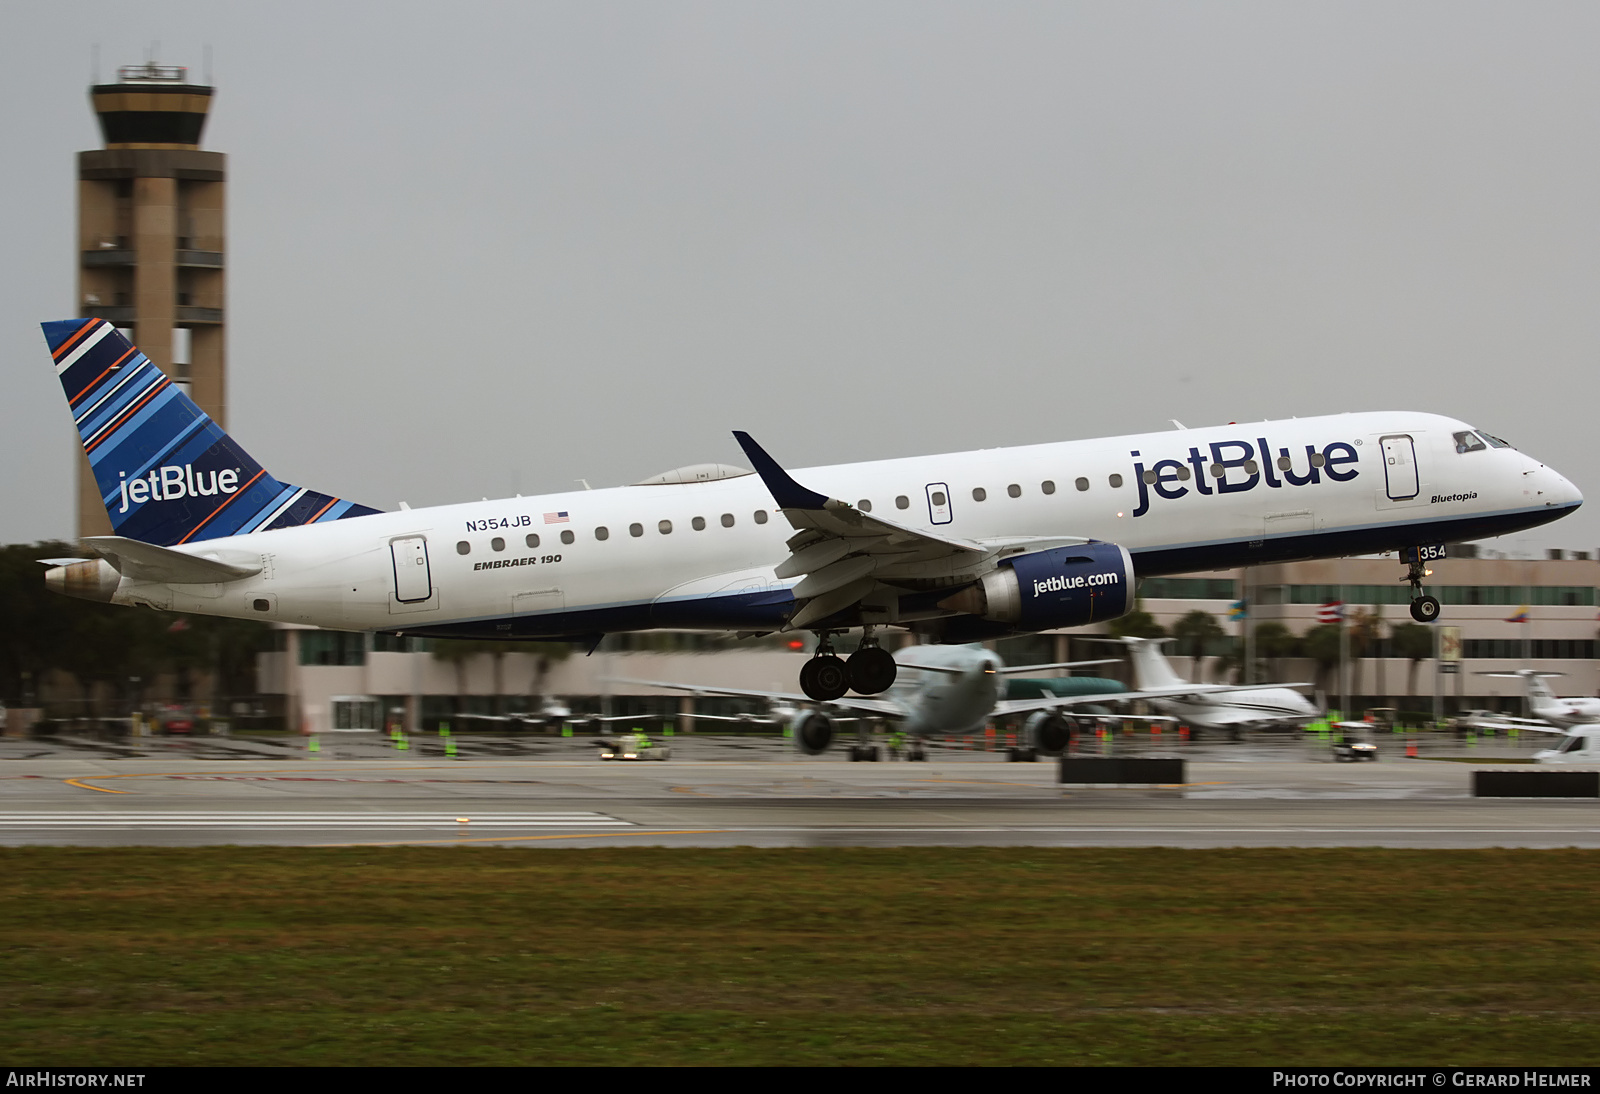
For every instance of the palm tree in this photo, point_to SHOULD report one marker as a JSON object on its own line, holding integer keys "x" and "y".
{"x": 1414, "y": 642}
{"x": 1366, "y": 628}
{"x": 1321, "y": 644}
{"x": 1194, "y": 633}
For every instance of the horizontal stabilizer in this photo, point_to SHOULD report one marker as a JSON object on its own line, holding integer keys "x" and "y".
{"x": 146, "y": 562}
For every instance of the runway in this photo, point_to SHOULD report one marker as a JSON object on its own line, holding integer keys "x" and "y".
{"x": 752, "y": 793}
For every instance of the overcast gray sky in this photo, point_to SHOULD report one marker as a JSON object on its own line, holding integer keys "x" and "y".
{"x": 480, "y": 248}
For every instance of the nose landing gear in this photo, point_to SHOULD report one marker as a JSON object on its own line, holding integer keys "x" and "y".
{"x": 1424, "y": 609}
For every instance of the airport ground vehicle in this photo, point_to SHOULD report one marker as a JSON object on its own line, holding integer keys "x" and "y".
{"x": 633, "y": 746}
{"x": 1351, "y": 743}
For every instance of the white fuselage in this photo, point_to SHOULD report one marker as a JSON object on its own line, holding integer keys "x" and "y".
{"x": 702, "y": 555}
{"x": 1565, "y": 713}
{"x": 952, "y": 703}
{"x": 1240, "y": 709}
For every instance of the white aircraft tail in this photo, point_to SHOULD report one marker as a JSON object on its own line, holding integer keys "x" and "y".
{"x": 1150, "y": 666}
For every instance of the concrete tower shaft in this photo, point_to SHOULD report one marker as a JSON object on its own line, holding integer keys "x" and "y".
{"x": 151, "y": 238}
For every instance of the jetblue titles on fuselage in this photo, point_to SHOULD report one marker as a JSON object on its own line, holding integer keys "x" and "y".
{"x": 1234, "y": 467}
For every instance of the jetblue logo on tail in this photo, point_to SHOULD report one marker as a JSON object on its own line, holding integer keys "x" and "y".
{"x": 168, "y": 483}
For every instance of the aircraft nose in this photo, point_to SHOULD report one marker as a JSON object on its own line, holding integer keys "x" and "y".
{"x": 1556, "y": 490}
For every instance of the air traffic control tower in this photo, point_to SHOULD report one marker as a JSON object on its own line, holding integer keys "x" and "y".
{"x": 150, "y": 239}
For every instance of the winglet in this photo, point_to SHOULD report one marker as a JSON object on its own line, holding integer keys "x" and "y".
{"x": 785, "y": 491}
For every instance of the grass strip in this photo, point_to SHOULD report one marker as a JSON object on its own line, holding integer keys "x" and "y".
{"x": 475, "y": 955}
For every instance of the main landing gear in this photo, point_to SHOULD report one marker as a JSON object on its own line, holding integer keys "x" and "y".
{"x": 826, "y": 677}
{"x": 1424, "y": 609}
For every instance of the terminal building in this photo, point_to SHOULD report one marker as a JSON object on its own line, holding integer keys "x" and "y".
{"x": 1499, "y": 615}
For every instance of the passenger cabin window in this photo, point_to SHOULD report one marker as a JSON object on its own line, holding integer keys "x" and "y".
{"x": 979, "y": 493}
{"x": 938, "y": 497}
{"x": 666, "y": 527}
{"x": 1115, "y": 481}
{"x": 699, "y": 524}
{"x": 463, "y": 548}
{"x": 902, "y": 502}
{"x": 602, "y": 533}
{"x": 532, "y": 540}
{"x": 1081, "y": 484}
{"x": 497, "y": 544}
{"x": 636, "y": 530}
{"x": 727, "y": 520}
{"x": 1469, "y": 442}
{"x": 567, "y": 536}
{"x": 761, "y": 516}
{"x": 1014, "y": 490}
{"x": 1317, "y": 460}
{"x": 864, "y": 505}
{"x": 1048, "y": 486}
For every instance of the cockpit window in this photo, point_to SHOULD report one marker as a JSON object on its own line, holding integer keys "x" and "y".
{"x": 1494, "y": 442}
{"x": 1573, "y": 744}
{"x": 1468, "y": 441}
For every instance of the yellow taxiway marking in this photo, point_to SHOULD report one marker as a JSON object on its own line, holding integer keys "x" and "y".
{"x": 523, "y": 839}
{"x": 100, "y": 789}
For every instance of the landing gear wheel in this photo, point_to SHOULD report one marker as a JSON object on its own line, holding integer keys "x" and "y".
{"x": 871, "y": 669}
{"x": 1425, "y": 609}
{"x": 824, "y": 678}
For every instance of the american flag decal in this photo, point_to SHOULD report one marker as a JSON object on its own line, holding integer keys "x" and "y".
{"x": 556, "y": 518}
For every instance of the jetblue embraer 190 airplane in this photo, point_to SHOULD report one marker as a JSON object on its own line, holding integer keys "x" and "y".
{"x": 959, "y": 547}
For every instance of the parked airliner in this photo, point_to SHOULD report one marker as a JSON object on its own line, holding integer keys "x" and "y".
{"x": 939, "y": 691}
{"x": 959, "y": 547}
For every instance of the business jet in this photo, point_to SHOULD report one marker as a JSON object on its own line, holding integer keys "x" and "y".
{"x": 939, "y": 691}
{"x": 1212, "y": 706}
{"x": 958, "y": 548}
{"x": 1546, "y": 707}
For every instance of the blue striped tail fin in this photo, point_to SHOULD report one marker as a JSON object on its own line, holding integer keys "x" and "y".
{"x": 167, "y": 473}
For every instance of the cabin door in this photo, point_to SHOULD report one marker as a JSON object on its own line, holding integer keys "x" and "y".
{"x": 1400, "y": 467}
{"x": 412, "y": 580}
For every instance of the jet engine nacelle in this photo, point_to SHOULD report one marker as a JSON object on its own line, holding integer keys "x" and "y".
{"x": 1061, "y": 587}
{"x": 1049, "y": 731}
{"x": 813, "y": 732}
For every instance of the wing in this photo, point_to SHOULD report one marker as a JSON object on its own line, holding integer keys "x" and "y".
{"x": 850, "y": 558}
{"x": 1182, "y": 691}
{"x": 1024, "y": 706}
{"x": 1015, "y": 670}
{"x": 849, "y": 702}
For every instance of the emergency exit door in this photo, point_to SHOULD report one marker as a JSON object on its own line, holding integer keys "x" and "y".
{"x": 1400, "y": 467}
{"x": 412, "y": 581}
